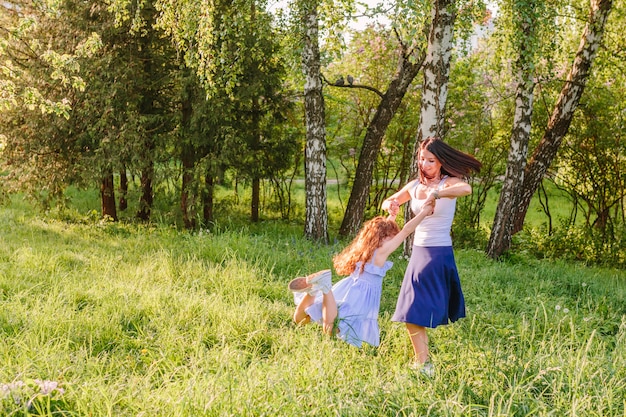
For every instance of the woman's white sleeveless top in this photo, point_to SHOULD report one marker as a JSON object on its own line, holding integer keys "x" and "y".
{"x": 434, "y": 230}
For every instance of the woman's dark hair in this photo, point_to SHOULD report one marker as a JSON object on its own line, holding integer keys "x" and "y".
{"x": 453, "y": 162}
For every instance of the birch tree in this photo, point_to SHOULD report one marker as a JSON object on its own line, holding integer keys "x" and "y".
{"x": 525, "y": 17}
{"x": 436, "y": 71}
{"x": 558, "y": 125}
{"x": 316, "y": 221}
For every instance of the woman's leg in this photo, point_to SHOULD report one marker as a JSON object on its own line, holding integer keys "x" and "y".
{"x": 419, "y": 340}
{"x": 329, "y": 312}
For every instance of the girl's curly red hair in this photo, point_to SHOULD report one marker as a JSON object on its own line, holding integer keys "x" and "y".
{"x": 371, "y": 236}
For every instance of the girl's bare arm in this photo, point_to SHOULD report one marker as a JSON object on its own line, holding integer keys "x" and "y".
{"x": 392, "y": 244}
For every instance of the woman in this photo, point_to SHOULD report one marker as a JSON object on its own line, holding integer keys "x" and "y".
{"x": 431, "y": 293}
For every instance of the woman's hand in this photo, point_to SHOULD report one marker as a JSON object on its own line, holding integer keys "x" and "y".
{"x": 431, "y": 197}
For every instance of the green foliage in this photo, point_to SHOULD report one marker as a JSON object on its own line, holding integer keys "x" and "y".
{"x": 472, "y": 127}
{"x": 371, "y": 59}
{"x": 40, "y": 75}
{"x": 119, "y": 319}
{"x": 584, "y": 244}
{"x": 591, "y": 162}
{"x": 259, "y": 145}
{"x": 112, "y": 85}
{"x": 530, "y": 31}
{"x": 116, "y": 119}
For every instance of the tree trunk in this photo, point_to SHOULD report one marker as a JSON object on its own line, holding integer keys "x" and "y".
{"x": 123, "y": 189}
{"x": 501, "y": 231}
{"x": 188, "y": 160}
{"x": 256, "y": 144}
{"x": 254, "y": 206}
{"x": 107, "y": 197}
{"x": 207, "y": 199}
{"x": 435, "y": 88}
{"x": 564, "y": 109}
{"x": 187, "y": 196}
{"x": 147, "y": 197}
{"x": 391, "y": 100}
{"x": 436, "y": 74}
{"x": 316, "y": 223}
{"x": 147, "y": 112}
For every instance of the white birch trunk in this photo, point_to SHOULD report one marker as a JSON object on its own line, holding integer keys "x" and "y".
{"x": 501, "y": 231}
{"x": 316, "y": 223}
{"x": 436, "y": 70}
{"x": 564, "y": 108}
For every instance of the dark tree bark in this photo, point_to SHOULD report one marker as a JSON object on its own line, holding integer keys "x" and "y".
{"x": 255, "y": 146}
{"x": 391, "y": 100}
{"x": 254, "y": 206}
{"x": 207, "y": 199}
{"x": 147, "y": 197}
{"x": 187, "y": 196}
{"x": 107, "y": 197}
{"x": 123, "y": 189}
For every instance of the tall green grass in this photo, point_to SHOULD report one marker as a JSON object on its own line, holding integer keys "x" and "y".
{"x": 102, "y": 319}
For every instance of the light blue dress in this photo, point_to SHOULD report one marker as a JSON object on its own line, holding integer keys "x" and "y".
{"x": 358, "y": 303}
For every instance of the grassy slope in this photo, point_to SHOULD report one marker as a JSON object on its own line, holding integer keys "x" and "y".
{"x": 153, "y": 321}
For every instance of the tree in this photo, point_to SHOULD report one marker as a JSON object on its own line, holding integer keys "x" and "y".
{"x": 472, "y": 125}
{"x": 233, "y": 49}
{"x": 525, "y": 18}
{"x": 126, "y": 113}
{"x": 36, "y": 73}
{"x": 256, "y": 149}
{"x": 436, "y": 71}
{"x": 41, "y": 78}
{"x": 409, "y": 63}
{"x": 44, "y": 53}
{"x": 590, "y": 166}
{"x": 316, "y": 210}
{"x": 558, "y": 124}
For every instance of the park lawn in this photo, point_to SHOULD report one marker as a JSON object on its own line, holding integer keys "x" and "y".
{"x": 115, "y": 319}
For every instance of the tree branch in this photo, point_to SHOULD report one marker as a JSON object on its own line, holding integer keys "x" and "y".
{"x": 362, "y": 86}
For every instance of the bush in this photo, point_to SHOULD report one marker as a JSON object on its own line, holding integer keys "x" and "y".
{"x": 578, "y": 243}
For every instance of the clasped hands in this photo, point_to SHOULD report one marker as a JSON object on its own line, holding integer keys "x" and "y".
{"x": 393, "y": 207}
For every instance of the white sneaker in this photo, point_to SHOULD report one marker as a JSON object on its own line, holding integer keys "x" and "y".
{"x": 300, "y": 285}
{"x": 427, "y": 369}
{"x": 321, "y": 281}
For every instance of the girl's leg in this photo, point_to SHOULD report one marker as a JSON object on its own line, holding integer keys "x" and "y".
{"x": 329, "y": 312}
{"x": 419, "y": 340}
{"x": 300, "y": 316}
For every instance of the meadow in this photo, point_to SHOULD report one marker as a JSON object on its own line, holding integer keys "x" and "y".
{"x": 119, "y": 319}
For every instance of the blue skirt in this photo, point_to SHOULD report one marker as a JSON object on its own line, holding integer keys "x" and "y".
{"x": 431, "y": 293}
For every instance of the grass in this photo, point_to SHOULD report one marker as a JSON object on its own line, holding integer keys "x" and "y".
{"x": 109, "y": 319}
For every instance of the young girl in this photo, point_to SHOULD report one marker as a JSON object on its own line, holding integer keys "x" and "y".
{"x": 349, "y": 308}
